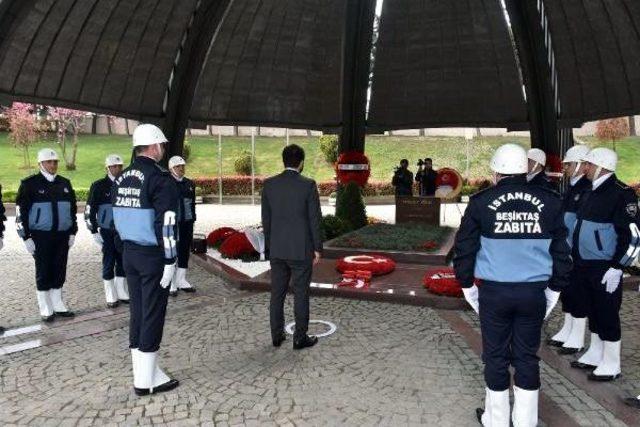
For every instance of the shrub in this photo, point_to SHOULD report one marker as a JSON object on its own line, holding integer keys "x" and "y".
{"x": 612, "y": 130}
{"x": 186, "y": 150}
{"x": 330, "y": 147}
{"x": 350, "y": 206}
{"x": 333, "y": 227}
{"x": 242, "y": 164}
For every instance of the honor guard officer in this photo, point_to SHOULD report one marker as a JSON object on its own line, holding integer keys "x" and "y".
{"x": 98, "y": 216}
{"x": 145, "y": 202}
{"x": 46, "y": 221}
{"x": 537, "y": 160}
{"x": 605, "y": 241}
{"x": 2, "y": 220}
{"x": 571, "y": 335}
{"x": 186, "y": 219}
{"x": 512, "y": 238}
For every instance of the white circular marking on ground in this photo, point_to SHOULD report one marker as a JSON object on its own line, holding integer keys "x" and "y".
{"x": 332, "y": 328}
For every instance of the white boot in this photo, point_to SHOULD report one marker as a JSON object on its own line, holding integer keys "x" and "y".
{"x": 496, "y": 408}
{"x": 564, "y": 332}
{"x": 593, "y": 355}
{"x": 44, "y": 303}
{"x": 182, "y": 279}
{"x": 122, "y": 291}
{"x": 56, "y": 300}
{"x": 110, "y": 292}
{"x": 576, "y": 337}
{"x": 610, "y": 364}
{"x": 525, "y": 407}
{"x": 147, "y": 374}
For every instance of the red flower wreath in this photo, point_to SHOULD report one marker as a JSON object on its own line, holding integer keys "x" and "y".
{"x": 218, "y": 236}
{"x": 353, "y": 166}
{"x": 378, "y": 265}
{"x": 236, "y": 246}
{"x": 442, "y": 281}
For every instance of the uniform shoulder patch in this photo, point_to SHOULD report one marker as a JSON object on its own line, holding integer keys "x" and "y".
{"x": 632, "y": 209}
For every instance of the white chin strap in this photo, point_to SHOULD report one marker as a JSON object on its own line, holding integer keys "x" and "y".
{"x": 575, "y": 171}
{"x": 597, "y": 174}
{"x": 47, "y": 175}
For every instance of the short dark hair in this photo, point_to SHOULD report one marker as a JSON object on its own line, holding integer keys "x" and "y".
{"x": 428, "y": 159}
{"x": 404, "y": 161}
{"x": 292, "y": 156}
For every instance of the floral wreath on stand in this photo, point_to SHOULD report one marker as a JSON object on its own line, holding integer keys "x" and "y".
{"x": 353, "y": 166}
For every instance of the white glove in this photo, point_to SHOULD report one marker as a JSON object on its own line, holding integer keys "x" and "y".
{"x": 167, "y": 275}
{"x": 612, "y": 279}
{"x": 552, "y": 299}
{"x": 98, "y": 239}
{"x": 471, "y": 295}
{"x": 72, "y": 240}
{"x": 1, "y": 244}
{"x": 30, "y": 245}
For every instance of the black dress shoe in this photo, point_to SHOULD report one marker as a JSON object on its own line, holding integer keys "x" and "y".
{"x": 169, "y": 385}
{"x": 2, "y": 330}
{"x": 173, "y": 293}
{"x": 48, "y": 319}
{"x": 278, "y": 340}
{"x": 580, "y": 365}
{"x": 568, "y": 350}
{"x": 112, "y": 304}
{"x": 123, "y": 301}
{"x": 602, "y": 378}
{"x": 479, "y": 413}
{"x": 188, "y": 290}
{"x": 304, "y": 342}
{"x": 64, "y": 313}
{"x": 634, "y": 402}
{"x": 554, "y": 343}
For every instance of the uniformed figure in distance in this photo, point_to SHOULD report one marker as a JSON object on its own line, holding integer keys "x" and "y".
{"x": 605, "y": 241}
{"x": 2, "y": 220}
{"x": 98, "y": 216}
{"x": 186, "y": 218}
{"x": 537, "y": 161}
{"x": 513, "y": 240}
{"x": 574, "y": 304}
{"x": 145, "y": 202}
{"x": 46, "y": 221}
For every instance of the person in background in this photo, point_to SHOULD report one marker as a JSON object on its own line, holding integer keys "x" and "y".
{"x": 98, "y": 216}
{"x": 426, "y": 177}
{"x": 537, "y": 161}
{"x": 186, "y": 218}
{"x": 403, "y": 179}
{"x": 46, "y": 221}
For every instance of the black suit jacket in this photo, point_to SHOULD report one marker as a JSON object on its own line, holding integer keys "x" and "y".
{"x": 291, "y": 217}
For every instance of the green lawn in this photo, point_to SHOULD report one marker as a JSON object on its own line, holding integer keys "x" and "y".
{"x": 384, "y": 153}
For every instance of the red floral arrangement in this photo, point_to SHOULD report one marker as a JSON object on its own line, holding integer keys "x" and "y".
{"x": 353, "y": 166}
{"x": 429, "y": 245}
{"x": 218, "y": 236}
{"x": 237, "y": 246}
{"x": 378, "y": 265}
{"x": 442, "y": 281}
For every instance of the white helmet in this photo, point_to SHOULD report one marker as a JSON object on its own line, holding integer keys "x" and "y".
{"x": 575, "y": 154}
{"x": 602, "y": 157}
{"x": 509, "y": 159}
{"x": 47, "y": 154}
{"x": 113, "y": 160}
{"x": 176, "y": 161}
{"x": 538, "y": 156}
{"x": 147, "y": 134}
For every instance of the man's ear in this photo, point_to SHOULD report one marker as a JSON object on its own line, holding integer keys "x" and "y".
{"x": 301, "y": 165}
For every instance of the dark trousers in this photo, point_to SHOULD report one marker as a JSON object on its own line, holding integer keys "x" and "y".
{"x": 574, "y": 296}
{"x": 148, "y": 300}
{"x": 52, "y": 250}
{"x": 185, "y": 237}
{"x": 299, "y": 274}
{"x": 603, "y": 307}
{"x": 111, "y": 258}
{"x": 511, "y": 319}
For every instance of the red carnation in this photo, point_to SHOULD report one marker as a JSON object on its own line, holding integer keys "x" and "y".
{"x": 236, "y": 246}
{"x": 218, "y": 236}
{"x": 378, "y": 265}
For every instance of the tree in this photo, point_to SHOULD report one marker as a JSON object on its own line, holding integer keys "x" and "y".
{"x": 23, "y": 128}
{"x": 68, "y": 121}
{"x": 612, "y": 130}
{"x": 350, "y": 206}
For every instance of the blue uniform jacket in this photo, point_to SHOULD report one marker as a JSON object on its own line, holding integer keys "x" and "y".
{"x": 141, "y": 197}
{"x": 98, "y": 212}
{"x": 570, "y": 203}
{"x": 513, "y": 233}
{"x": 43, "y": 206}
{"x": 606, "y": 231}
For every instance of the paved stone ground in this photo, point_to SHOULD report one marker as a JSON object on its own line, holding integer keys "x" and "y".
{"x": 386, "y": 364}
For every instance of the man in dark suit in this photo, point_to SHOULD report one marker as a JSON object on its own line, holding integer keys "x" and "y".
{"x": 291, "y": 220}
